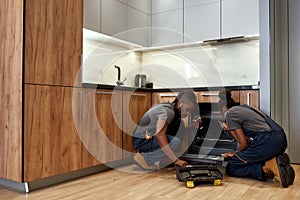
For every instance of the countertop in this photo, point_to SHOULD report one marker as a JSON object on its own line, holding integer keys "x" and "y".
{"x": 126, "y": 88}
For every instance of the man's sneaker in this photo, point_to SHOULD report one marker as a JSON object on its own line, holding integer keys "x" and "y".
{"x": 139, "y": 160}
{"x": 275, "y": 165}
{"x": 285, "y": 163}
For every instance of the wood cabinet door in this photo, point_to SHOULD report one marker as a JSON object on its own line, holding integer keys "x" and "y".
{"x": 213, "y": 96}
{"x": 11, "y": 51}
{"x": 135, "y": 105}
{"x": 161, "y": 97}
{"x": 250, "y": 97}
{"x": 102, "y": 126}
{"x": 208, "y": 96}
{"x": 52, "y": 144}
{"x": 53, "y": 41}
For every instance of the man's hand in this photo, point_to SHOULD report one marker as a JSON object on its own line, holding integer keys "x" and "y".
{"x": 228, "y": 155}
{"x": 223, "y": 125}
{"x": 180, "y": 163}
{"x": 197, "y": 122}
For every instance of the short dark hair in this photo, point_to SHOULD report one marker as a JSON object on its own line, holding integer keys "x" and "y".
{"x": 225, "y": 99}
{"x": 190, "y": 95}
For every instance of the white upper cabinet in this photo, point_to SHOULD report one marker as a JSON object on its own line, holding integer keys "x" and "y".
{"x": 167, "y": 22}
{"x": 201, "y": 20}
{"x": 113, "y": 18}
{"x": 137, "y": 27}
{"x": 191, "y": 3}
{"x": 92, "y": 15}
{"x": 159, "y": 6}
{"x": 170, "y": 22}
{"x": 240, "y": 18}
{"x": 167, "y": 28}
{"x": 141, "y": 5}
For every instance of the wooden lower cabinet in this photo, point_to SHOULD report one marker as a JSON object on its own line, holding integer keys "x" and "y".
{"x": 52, "y": 143}
{"x": 202, "y": 96}
{"x": 135, "y": 104}
{"x": 102, "y": 126}
{"x": 67, "y": 129}
{"x": 250, "y": 97}
{"x": 213, "y": 96}
{"x": 161, "y": 97}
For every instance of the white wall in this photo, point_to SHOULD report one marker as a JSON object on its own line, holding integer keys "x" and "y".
{"x": 227, "y": 64}
{"x": 204, "y": 66}
{"x": 99, "y": 62}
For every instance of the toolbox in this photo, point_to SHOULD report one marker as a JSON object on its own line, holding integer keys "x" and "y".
{"x": 204, "y": 153}
{"x": 192, "y": 175}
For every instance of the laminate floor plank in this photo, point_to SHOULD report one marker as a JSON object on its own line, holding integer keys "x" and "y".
{"x": 131, "y": 183}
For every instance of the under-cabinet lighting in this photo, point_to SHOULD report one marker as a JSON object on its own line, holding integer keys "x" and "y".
{"x": 97, "y": 47}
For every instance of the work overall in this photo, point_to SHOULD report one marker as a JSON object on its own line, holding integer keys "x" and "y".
{"x": 262, "y": 147}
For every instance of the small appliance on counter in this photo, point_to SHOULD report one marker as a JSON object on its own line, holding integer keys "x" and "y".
{"x": 140, "y": 80}
{"x": 149, "y": 85}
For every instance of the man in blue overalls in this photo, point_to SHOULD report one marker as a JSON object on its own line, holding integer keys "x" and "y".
{"x": 262, "y": 143}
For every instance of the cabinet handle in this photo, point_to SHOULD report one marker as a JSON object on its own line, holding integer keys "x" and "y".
{"x": 105, "y": 93}
{"x": 209, "y": 94}
{"x": 81, "y": 59}
{"x": 141, "y": 95}
{"x": 248, "y": 98}
{"x": 80, "y": 105}
{"x": 168, "y": 95}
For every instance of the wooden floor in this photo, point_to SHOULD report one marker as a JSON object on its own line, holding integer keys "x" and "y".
{"x": 130, "y": 183}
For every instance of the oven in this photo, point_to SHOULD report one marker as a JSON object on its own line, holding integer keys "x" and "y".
{"x": 210, "y": 141}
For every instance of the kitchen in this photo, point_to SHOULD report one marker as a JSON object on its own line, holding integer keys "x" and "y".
{"x": 43, "y": 85}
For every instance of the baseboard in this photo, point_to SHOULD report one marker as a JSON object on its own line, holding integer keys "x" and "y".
{"x": 45, "y": 182}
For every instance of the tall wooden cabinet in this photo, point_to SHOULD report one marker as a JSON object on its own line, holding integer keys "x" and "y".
{"x": 52, "y": 58}
{"x": 41, "y": 44}
{"x": 11, "y": 51}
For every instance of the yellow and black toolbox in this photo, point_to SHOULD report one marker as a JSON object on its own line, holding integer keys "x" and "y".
{"x": 199, "y": 174}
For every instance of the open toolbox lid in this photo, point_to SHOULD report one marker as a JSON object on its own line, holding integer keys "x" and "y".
{"x": 203, "y": 159}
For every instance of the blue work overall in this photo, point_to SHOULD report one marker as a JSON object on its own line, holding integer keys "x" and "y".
{"x": 262, "y": 147}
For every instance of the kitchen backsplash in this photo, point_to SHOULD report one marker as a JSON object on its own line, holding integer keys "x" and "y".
{"x": 199, "y": 65}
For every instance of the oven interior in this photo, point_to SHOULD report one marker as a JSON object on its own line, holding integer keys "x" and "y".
{"x": 211, "y": 139}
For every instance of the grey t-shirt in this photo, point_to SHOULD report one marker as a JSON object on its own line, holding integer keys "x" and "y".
{"x": 245, "y": 118}
{"x": 164, "y": 111}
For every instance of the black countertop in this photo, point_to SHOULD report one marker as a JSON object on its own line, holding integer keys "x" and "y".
{"x": 126, "y": 88}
